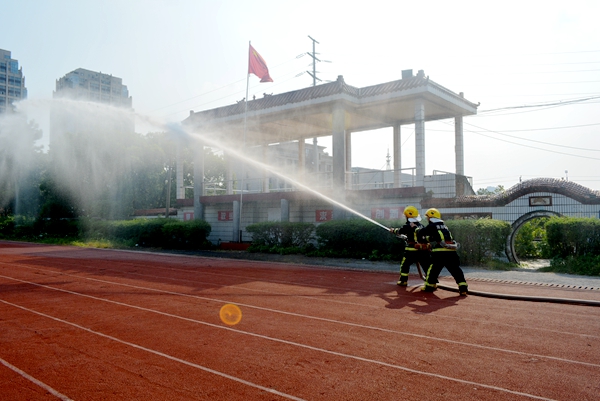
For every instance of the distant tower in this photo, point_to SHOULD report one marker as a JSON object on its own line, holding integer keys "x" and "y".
{"x": 12, "y": 82}
{"x": 388, "y": 158}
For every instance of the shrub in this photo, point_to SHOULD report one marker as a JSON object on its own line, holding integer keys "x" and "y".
{"x": 56, "y": 227}
{"x": 273, "y": 236}
{"x": 144, "y": 232}
{"x": 185, "y": 234}
{"x": 7, "y": 226}
{"x": 24, "y": 228}
{"x": 160, "y": 233}
{"x": 358, "y": 238}
{"x": 530, "y": 241}
{"x": 480, "y": 240}
{"x": 586, "y": 265}
{"x": 573, "y": 236}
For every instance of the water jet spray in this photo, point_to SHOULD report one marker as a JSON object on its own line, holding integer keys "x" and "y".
{"x": 239, "y": 155}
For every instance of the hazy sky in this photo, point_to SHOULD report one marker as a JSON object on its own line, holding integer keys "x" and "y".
{"x": 531, "y": 65}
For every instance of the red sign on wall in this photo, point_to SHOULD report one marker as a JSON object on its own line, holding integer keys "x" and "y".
{"x": 188, "y": 216}
{"x": 323, "y": 215}
{"x": 387, "y": 213}
{"x": 225, "y": 215}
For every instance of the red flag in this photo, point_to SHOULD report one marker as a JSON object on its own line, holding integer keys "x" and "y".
{"x": 257, "y": 66}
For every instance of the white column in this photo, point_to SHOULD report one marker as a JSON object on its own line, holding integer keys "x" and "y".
{"x": 459, "y": 150}
{"x": 265, "y": 173}
{"x": 397, "y": 154}
{"x": 198, "y": 181}
{"x": 180, "y": 192}
{"x": 315, "y": 161}
{"x": 338, "y": 143}
{"x": 301, "y": 160}
{"x": 348, "y": 168}
{"x": 420, "y": 143}
{"x": 230, "y": 183}
{"x": 285, "y": 210}
{"x": 236, "y": 230}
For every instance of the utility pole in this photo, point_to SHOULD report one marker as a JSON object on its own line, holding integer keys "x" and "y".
{"x": 168, "y": 203}
{"x": 314, "y": 77}
{"x": 314, "y": 64}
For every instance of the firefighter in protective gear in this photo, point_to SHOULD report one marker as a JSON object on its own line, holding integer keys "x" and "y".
{"x": 443, "y": 252}
{"x": 414, "y": 252}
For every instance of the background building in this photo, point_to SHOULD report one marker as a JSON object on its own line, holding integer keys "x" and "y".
{"x": 12, "y": 82}
{"x": 283, "y": 158}
{"x": 90, "y": 103}
{"x": 86, "y": 85}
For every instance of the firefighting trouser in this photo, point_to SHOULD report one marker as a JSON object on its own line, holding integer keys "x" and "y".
{"x": 411, "y": 257}
{"x": 449, "y": 260}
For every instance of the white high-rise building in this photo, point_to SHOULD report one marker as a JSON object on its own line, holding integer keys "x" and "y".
{"x": 90, "y": 103}
{"x": 12, "y": 82}
{"x": 93, "y": 86}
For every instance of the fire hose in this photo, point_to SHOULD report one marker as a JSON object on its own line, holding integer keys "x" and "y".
{"x": 515, "y": 297}
{"x": 506, "y": 296}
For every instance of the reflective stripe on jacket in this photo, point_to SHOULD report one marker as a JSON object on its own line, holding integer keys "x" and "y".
{"x": 436, "y": 233}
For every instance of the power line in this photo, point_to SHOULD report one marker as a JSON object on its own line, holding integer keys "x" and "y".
{"x": 237, "y": 93}
{"x": 578, "y": 63}
{"x": 533, "y": 147}
{"x": 536, "y": 83}
{"x": 548, "y": 72}
{"x": 532, "y": 140}
{"x": 559, "y": 103}
{"x": 539, "y": 107}
{"x": 220, "y": 88}
{"x": 194, "y": 97}
{"x": 525, "y": 130}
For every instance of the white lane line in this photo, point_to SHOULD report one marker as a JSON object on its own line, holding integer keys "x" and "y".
{"x": 183, "y": 361}
{"x": 137, "y": 264}
{"x": 321, "y": 299}
{"x": 222, "y": 301}
{"x": 404, "y": 368}
{"x": 36, "y": 381}
{"x": 436, "y": 315}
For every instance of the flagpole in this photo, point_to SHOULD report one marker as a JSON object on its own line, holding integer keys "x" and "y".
{"x": 245, "y": 124}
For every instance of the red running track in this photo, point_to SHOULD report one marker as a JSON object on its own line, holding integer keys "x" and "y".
{"x": 88, "y": 324}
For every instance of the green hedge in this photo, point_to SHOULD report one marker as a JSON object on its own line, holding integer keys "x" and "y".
{"x": 271, "y": 234}
{"x": 480, "y": 240}
{"x": 358, "y": 238}
{"x": 31, "y": 229}
{"x": 586, "y": 265}
{"x": 7, "y": 226}
{"x": 185, "y": 234}
{"x": 573, "y": 236}
{"x": 157, "y": 233}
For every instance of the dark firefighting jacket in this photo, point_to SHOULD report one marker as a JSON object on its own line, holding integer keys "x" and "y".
{"x": 438, "y": 235}
{"x": 412, "y": 243}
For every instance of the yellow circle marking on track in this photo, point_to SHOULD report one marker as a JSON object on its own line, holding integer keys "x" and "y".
{"x": 230, "y": 314}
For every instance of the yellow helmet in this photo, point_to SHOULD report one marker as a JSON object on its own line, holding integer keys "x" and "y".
{"x": 433, "y": 213}
{"x": 411, "y": 212}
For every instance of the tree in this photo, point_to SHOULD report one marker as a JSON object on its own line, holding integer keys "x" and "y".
{"x": 485, "y": 191}
{"x": 530, "y": 240}
{"x": 215, "y": 171}
{"x": 94, "y": 169}
{"x": 18, "y": 157}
